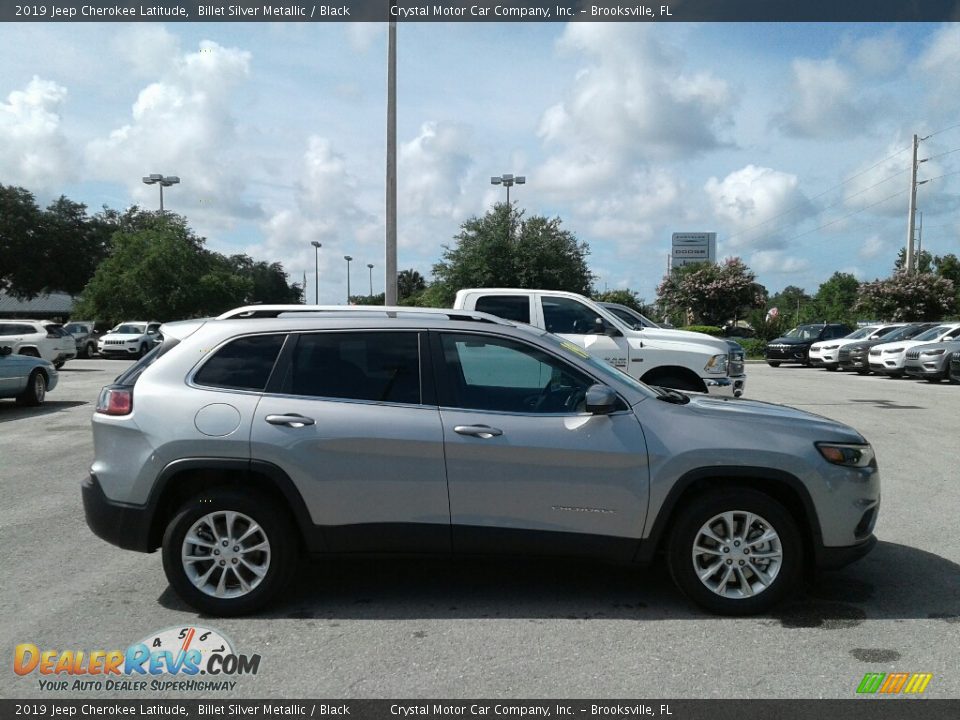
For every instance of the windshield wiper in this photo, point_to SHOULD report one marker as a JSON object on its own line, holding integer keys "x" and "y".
{"x": 672, "y": 396}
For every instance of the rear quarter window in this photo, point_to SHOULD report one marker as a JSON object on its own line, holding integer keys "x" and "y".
{"x": 508, "y": 307}
{"x": 243, "y": 364}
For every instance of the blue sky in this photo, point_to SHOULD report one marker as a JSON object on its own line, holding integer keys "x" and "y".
{"x": 791, "y": 141}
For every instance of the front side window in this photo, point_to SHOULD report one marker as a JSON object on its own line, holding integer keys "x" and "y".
{"x": 508, "y": 307}
{"x": 565, "y": 316}
{"x": 376, "y": 366}
{"x": 244, "y": 364}
{"x": 503, "y": 375}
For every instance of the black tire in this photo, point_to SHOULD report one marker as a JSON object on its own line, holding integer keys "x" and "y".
{"x": 34, "y": 394}
{"x": 276, "y": 527}
{"x": 59, "y": 364}
{"x": 701, "y": 510}
{"x": 830, "y": 368}
{"x": 861, "y": 371}
{"x": 772, "y": 363}
{"x": 90, "y": 350}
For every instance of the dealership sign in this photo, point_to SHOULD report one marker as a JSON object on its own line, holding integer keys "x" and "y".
{"x": 693, "y": 247}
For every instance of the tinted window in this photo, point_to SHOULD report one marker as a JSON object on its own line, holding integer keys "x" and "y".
{"x": 377, "y": 366}
{"x": 243, "y": 364}
{"x": 502, "y": 375}
{"x": 508, "y": 307}
{"x": 570, "y": 317}
{"x": 17, "y": 329}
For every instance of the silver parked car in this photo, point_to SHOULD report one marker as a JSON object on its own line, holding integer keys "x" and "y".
{"x": 243, "y": 440}
{"x": 931, "y": 361}
{"x": 25, "y": 378}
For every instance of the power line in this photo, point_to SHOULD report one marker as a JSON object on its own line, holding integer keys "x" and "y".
{"x": 942, "y": 131}
{"x": 850, "y": 215}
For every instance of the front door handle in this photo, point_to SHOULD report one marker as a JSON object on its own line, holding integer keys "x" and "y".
{"x": 290, "y": 420}
{"x": 481, "y": 431}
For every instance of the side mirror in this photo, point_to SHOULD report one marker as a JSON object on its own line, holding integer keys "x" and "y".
{"x": 600, "y": 400}
{"x": 605, "y": 328}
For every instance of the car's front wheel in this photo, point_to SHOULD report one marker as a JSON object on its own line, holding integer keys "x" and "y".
{"x": 773, "y": 363}
{"x": 227, "y": 552}
{"x": 735, "y": 551}
{"x": 35, "y": 391}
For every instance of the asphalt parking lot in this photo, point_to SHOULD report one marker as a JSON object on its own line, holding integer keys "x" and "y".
{"x": 402, "y": 628}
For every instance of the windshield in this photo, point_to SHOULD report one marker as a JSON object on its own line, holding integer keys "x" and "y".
{"x": 129, "y": 329}
{"x": 934, "y": 332}
{"x": 74, "y": 328}
{"x": 805, "y": 332}
{"x": 861, "y": 333}
{"x": 631, "y": 318}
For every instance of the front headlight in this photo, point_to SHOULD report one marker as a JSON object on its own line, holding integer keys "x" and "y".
{"x": 893, "y": 351}
{"x": 938, "y": 351}
{"x": 829, "y": 347}
{"x": 716, "y": 365}
{"x": 846, "y": 454}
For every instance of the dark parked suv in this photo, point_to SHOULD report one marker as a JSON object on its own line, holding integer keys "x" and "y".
{"x": 856, "y": 356}
{"x": 794, "y": 346}
{"x": 245, "y": 440}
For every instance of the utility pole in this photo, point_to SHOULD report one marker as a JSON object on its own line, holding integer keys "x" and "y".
{"x": 913, "y": 208}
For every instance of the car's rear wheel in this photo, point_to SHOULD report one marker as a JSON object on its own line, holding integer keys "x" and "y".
{"x": 229, "y": 553}
{"x": 735, "y": 551}
{"x": 36, "y": 390}
{"x": 773, "y": 364}
{"x": 91, "y": 350}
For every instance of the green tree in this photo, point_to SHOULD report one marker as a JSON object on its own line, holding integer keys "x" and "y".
{"x": 159, "y": 269}
{"x": 948, "y": 267}
{"x": 713, "y": 294}
{"x": 624, "y": 297}
{"x": 836, "y": 297}
{"x": 22, "y": 266}
{"x": 503, "y": 249}
{"x": 924, "y": 262}
{"x": 409, "y": 284}
{"x": 268, "y": 281}
{"x": 794, "y": 305}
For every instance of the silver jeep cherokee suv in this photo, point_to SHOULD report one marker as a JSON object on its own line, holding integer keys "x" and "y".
{"x": 244, "y": 440}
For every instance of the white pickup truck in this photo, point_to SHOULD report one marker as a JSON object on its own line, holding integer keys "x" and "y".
{"x": 670, "y": 358}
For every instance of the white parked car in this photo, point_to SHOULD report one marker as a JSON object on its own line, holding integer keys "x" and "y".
{"x": 38, "y": 338}
{"x": 890, "y": 358}
{"x": 132, "y": 339}
{"x": 826, "y": 353}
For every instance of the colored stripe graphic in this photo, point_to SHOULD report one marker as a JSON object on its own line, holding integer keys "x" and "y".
{"x": 918, "y": 683}
{"x": 870, "y": 683}
{"x": 894, "y": 683}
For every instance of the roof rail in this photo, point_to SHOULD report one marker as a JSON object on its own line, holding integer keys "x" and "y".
{"x": 274, "y": 311}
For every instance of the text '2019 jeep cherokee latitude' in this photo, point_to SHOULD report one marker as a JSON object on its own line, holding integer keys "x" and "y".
{"x": 243, "y": 440}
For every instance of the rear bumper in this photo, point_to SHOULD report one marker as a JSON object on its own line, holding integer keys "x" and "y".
{"x": 126, "y": 526}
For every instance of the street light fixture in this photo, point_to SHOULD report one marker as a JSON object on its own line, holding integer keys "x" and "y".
{"x": 158, "y": 179}
{"x": 508, "y": 181}
{"x": 348, "y": 258}
{"x": 370, "y": 266}
{"x": 316, "y": 271}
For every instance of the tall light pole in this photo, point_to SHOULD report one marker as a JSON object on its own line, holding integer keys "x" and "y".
{"x": 370, "y": 267}
{"x": 508, "y": 181}
{"x": 390, "y": 251}
{"x": 316, "y": 271}
{"x": 348, "y": 258}
{"x": 158, "y": 179}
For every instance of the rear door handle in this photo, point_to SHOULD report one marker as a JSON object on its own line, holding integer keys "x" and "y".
{"x": 480, "y": 431}
{"x": 290, "y": 420}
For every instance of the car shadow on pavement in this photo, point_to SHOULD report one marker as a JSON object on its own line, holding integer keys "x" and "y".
{"x": 894, "y": 581}
{"x": 11, "y": 411}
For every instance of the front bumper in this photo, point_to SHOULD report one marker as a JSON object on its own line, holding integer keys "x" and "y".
{"x": 126, "y": 526}
{"x": 834, "y": 558}
{"x": 927, "y": 368}
{"x": 788, "y": 353}
{"x": 726, "y": 386}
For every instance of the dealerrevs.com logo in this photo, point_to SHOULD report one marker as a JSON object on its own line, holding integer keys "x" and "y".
{"x": 178, "y": 658}
{"x": 894, "y": 683}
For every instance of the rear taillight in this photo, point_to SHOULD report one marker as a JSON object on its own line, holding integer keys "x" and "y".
{"x": 115, "y": 401}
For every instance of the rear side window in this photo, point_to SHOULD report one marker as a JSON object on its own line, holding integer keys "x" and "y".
{"x": 508, "y": 307}
{"x": 376, "y": 366}
{"x": 244, "y": 364}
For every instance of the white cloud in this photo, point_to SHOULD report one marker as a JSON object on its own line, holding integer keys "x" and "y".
{"x": 184, "y": 124}
{"x": 434, "y": 169}
{"x": 632, "y": 102}
{"x": 33, "y": 149}
{"x": 879, "y": 186}
{"x": 878, "y": 55}
{"x": 873, "y": 246}
{"x": 824, "y": 102}
{"x": 777, "y": 262}
{"x": 758, "y": 203}
{"x": 147, "y": 47}
{"x": 938, "y": 65}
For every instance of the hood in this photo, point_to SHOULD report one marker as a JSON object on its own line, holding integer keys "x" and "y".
{"x": 663, "y": 336}
{"x": 790, "y": 341}
{"x": 122, "y": 336}
{"x": 764, "y": 413}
